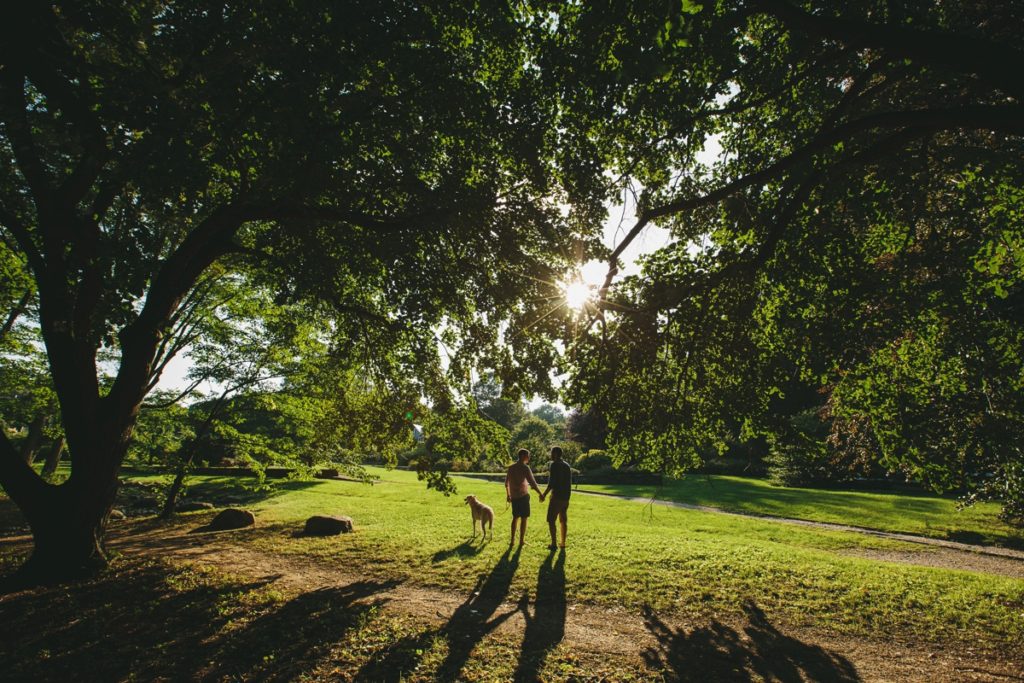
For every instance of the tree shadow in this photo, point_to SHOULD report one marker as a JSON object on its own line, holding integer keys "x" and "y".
{"x": 395, "y": 662}
{"x": 471, "y": 621}
{"x": 231, "y": 491}
{"x": 467, "y": 548}
{"x": 289, "y": 641}
{"x": 546, "y": 628}
{"x": 148, "y": 621}
{"x": 721, "y": 653}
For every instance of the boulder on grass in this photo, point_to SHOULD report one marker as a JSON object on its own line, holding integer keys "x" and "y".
{"x": 328, "y": 473}
{"x": 193, "y": 506}
{"x": 232, "y": 518}
{"x": 323, "y": 525}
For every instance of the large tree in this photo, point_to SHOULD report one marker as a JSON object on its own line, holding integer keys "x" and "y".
{"x": 856, "y": 247}
{"x": 391, "y": 163}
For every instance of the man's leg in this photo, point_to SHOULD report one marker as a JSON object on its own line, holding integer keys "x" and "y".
{"x": 551, "y": 521}
{"x": 522, "y": 531}
{"x": 563, "y": 518}
{"x": 512, "y": 540}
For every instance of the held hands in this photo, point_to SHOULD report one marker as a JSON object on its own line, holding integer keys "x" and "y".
{"x": 542, "y": 497}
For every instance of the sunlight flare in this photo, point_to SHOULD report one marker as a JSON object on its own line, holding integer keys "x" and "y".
{"x": 577, "y": 294}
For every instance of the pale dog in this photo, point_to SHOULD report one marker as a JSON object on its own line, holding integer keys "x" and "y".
{"x": 482, "y": 512}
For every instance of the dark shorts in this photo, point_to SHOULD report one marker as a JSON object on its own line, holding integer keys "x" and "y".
{"x": 557, "y": 506}
{"x": 521, "y": 506}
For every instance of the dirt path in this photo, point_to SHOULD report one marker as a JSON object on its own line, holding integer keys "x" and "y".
{"x": 949, "y": 554}
{"x": 743, "y": 649}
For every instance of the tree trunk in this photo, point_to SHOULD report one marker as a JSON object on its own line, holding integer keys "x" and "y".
{"x": 67, "y": 531}
{"x": 34, "y": 440}
{"x": 175, "y": 490}
{"x": 190, "y": 455}
{"x": 53, "y": 457}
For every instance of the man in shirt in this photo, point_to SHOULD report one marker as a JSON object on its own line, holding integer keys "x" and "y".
{"x": 518, "y": 482}
{"x": 559, "y": 486}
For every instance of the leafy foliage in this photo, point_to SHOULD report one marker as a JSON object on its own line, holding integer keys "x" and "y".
{"x": 853, "y": 252}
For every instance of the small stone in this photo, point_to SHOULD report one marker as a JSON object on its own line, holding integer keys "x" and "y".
{"x": 116, "y": 516}
{"x": 322, "y": 525}
{"x": 232, "y": 518}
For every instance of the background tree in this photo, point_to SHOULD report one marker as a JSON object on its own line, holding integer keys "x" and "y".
{"x": 588, "y": 427}
{"x": 488, "y": 393}
{"x": 536, "y": 436}
{"x": 553, "y": 415}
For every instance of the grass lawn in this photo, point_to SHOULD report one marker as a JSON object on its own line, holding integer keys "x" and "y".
{"x": 623, "y": 554}
{"x": 911, "y": 514}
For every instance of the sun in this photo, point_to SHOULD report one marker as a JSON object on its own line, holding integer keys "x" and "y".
{"x": 577, "y": 294}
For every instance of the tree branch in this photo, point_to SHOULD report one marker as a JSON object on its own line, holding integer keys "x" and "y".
{"x": 1009, "y": 119}
{"x": 17, "y": 477}
{"x": 997, "y": 64}
{"x": 12, "y": 317}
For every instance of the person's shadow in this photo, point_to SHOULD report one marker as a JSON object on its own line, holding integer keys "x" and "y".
{"x": 471, "y": 621}
{"x": 546, "y": 628}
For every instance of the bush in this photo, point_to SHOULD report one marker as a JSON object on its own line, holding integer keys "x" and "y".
{"x": 611, "y": 475}
{"x": 800, "y": 457}
{"x": 461, "y": 465}
{"x": 804, "y": 465}
{"x": 411, "y": 456}
{"x": 737, "y": 467}
{"x": 593, "y": 460}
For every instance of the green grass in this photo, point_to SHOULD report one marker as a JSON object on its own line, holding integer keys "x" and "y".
{"x": 911, "y": 514}
{"x": 625, "y": 554}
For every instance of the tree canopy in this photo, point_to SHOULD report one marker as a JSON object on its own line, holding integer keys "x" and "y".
{"x": 394, "y": 166}
{"x": 853, "y": 249}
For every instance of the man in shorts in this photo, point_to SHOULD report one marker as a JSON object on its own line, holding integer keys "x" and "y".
{"x": 559, "y": 486}
{"x": 518, "y": 482}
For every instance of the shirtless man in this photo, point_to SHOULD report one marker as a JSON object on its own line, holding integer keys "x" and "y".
{"x": 518, "y": 482}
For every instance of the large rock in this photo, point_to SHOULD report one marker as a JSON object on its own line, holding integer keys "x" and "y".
{"x": 193, "y": 506}
{"x": 116, "y": 515}
{"x": 328, "y": 473}
{"x": 322, "y": 525}
{"x": 232, "y": 518}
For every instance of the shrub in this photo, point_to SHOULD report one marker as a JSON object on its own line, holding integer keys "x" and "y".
{"x": 593, "y": 460}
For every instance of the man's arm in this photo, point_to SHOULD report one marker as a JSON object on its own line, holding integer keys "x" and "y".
{"x": 508, "y": 494}
{"x": 532, "y": 480}
{"x": 551, "y": 478}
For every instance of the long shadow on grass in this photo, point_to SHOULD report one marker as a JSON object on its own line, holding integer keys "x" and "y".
{"x": 147, "y": 621}
{"x": 243, "y": 490}
{"x": 291, "y": 640}
{"x": 546, "y": 628}
{"x": 465, "y": 549}
{"x": 761, "y": 652}
{"x": 472, "y": 620}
